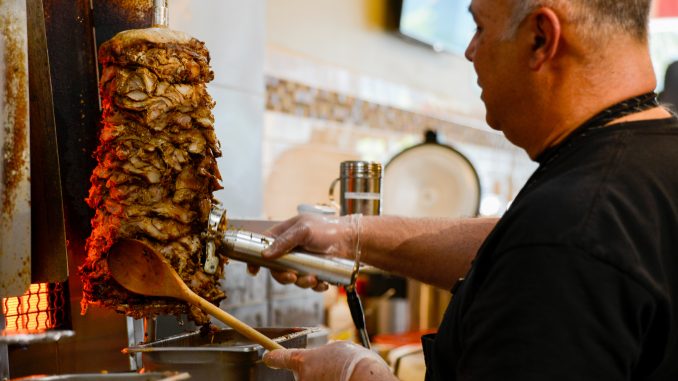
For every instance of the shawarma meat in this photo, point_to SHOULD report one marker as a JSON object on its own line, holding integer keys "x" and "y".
{"x": 156, "y": 166}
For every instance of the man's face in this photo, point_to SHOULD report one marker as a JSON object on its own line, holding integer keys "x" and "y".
{"x": 495, "y": 59}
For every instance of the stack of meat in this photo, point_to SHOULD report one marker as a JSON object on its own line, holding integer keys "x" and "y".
{"x": 156, "y": 167}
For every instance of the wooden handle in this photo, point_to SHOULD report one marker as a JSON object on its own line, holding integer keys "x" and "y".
{"x": 232, "y": 321}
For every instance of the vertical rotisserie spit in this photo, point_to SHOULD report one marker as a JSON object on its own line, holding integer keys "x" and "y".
{"x": 156, "y": 167}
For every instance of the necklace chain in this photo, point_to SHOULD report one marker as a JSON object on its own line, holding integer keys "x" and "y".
{"x": 600, "y": 120}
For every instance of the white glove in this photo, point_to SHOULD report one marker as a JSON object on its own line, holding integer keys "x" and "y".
{"x": 328, "y": 235}
{"x": 336, "y": 361}
{"x": 325, "y": 235}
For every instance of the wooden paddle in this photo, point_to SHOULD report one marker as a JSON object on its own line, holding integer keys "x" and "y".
{"x": 141, "y": 270}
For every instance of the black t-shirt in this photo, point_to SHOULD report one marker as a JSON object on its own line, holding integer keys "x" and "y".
{"x": 579, "y": 279}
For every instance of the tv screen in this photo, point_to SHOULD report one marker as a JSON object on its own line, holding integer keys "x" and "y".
{"x": 445, "y": 25}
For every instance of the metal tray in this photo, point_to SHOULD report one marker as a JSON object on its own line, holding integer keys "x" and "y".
{"x": 33, "y": 336}
{"x": 101, "y": 376}
{"x": 220, "y": 355}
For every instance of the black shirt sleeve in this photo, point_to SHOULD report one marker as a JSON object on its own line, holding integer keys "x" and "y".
{"x": 554, "y": 313}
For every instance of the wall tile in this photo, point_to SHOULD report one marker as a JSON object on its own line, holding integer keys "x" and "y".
{"x": 234, "y": 33}
{"x": 239, "y": 121}
{"x": 303, "y": 101}
{"x": 254, "y": 315}
{"x": 299, "y": 68}
{"x": 297, "y": 312}
{"x": 322, "y": 124}
{"x": 243, "y": 288}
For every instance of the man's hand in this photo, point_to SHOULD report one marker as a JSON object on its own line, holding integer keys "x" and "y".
{"x": 340, "y": 360}
{"x": 289, "y": 277}
{"x": 324, "y": 235}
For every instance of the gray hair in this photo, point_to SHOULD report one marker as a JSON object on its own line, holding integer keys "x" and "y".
{"x": 594, "y": 18}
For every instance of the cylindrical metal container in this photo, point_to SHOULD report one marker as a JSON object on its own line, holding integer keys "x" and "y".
{"x": 360, "y": 187}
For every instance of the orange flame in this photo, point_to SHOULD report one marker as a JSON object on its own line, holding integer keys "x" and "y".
{"x": 31, "y": 311}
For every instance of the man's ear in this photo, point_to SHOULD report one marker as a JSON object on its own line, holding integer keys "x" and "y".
{"x": 545, "y": 29}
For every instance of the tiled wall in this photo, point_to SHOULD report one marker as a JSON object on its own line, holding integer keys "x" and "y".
{"x": 318, "y": 115}
{"x": 234, "y": 33}
{"x": 303, "y": 101}
{"x": 262, "y": 302}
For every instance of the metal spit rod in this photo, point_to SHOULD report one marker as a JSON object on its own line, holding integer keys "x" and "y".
{"x": 160, "y": 13}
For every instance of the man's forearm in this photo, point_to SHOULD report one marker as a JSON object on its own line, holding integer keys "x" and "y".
{"x": 433, "y": 250}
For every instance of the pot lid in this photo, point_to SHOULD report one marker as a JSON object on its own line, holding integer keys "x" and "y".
{"x": 430, "y": 180}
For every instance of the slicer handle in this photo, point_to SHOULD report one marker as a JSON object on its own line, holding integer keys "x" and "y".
{"x": 247, "y": 246}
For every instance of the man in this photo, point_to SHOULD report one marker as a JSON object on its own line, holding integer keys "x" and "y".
{"x": 579, "y": 278}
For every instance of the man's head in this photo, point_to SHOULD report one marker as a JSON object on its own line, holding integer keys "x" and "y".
{"x": 540, "y": 63}
{"x": 593, "y": 18}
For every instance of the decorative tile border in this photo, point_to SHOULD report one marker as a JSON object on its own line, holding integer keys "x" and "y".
{"x": 462, "y": 106}
{"x": 304, "y": 101}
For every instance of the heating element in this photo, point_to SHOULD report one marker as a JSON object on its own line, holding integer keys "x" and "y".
{"x": 44, "y": 306}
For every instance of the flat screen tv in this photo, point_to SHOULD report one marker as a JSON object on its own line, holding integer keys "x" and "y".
{"x": 445, "y": 25}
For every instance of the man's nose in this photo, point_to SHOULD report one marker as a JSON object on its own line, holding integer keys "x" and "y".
{"x": 470, "y": 50}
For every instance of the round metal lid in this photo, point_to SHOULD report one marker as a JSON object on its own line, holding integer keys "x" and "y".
{"x": 430, "y": 180}
{"x": 358, "y": 168}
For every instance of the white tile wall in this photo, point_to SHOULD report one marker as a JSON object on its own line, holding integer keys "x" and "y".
{"x": 239, "y": 121}
{"x": 297, "y": 312}
{"x": 234, "y": 33}
{"x": 243, "y": 288}
{"x": 255, "y": 315}
{"x": 284, "y": 64}
{"x": 352, "y": 46}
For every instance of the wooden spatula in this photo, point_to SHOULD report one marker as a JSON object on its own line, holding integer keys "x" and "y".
{"x": 138, "y": 268}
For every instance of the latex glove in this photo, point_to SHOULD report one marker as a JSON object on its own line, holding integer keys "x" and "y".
{"x": 335, "y": 361}
{"x": 328, "y": 235}
{"x": 325, "y": 235}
